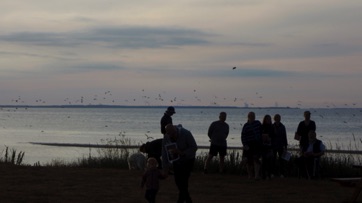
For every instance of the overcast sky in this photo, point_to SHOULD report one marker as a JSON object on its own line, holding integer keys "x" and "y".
{"x": 300, "y": 53}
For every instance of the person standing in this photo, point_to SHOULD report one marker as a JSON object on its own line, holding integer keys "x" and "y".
{"x": 304, "y": 128}
{"x": 266, "y": 152}
{"x": 218, "y": 132}
{"x": 182, "y": 157}
{"x": 251, "y": 140}
{"x": 166, "y": 118}
{"x": 279, "y": 145}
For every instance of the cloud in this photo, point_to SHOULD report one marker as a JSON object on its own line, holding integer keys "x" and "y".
{"x": 98, "y": 66}
{"x": 249, "y": 72}
{"x": 32, "y": 54}
{"x": 135, "y": 37}
{"x": 237, "y": 73}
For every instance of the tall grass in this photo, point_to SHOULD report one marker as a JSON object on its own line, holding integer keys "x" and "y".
{"x": 11, "y": 156}
{"x": 331, "y": 165}
{"x": 115, "y": 155}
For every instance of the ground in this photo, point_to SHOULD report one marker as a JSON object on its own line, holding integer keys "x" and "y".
{"x": 45, "y": 184}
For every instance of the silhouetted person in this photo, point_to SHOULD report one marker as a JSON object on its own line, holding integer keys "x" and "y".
{"x": 304, "y": 128}
{"x": 251, "y": 140}
{"x": 151, "y": 179}
{"x": 182, "y": 157}
{"x": 310, "y": 156}
{"x": 266, "y": 149}
{"x": 218, "y": 132}
{"x": 153, "y": 149}
{"x": 279, "y": 144}
{"x": 166, "y": 118}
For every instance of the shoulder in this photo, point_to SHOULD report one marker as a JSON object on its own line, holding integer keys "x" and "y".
{"x": 214, "y": 123}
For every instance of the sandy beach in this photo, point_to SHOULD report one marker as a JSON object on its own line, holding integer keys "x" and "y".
{"x": 44, "y": 184}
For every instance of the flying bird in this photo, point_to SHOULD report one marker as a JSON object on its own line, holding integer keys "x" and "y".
{"x": 234, "y": 68}
{"x": 148, "y": 137}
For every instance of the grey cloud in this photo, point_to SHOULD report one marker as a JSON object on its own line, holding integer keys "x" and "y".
{"x": 319, "y": 50}
{"x": 98, "y": 67}
{"x": 85, "y": 67}
{"x": 249, "y": 72}
{"x": 229, "y": 72}
{"x": 254, "y": 44}
{"x": 124, "y": 37}
{"x": 65, "y": 56}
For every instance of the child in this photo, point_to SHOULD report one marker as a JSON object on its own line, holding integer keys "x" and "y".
{"x": 151, "y": 179}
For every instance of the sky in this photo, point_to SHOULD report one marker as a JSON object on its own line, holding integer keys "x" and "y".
{"x": 256, "y": 53}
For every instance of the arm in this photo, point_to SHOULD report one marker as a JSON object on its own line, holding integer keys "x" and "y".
{"x": 284, "y": 134}
{"x": 314, "y": 127}
{"x": 191, "y": 145}
{"x": 227, "y": 131}
{"x": 211, "y": 129}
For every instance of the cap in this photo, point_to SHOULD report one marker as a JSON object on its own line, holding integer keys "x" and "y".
{"x": 171, "y": 109}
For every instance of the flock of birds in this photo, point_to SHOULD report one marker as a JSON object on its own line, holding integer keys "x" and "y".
{"x": 162, "y": 99}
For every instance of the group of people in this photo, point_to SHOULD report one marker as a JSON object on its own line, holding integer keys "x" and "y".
{"x": 263, "y": 144}
{"x": 178, "y": 151}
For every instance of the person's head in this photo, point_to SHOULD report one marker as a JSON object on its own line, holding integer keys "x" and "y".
{"x": 171, "y": 131}
{"x": 152, "y": 163}
{"x": 267, "y": 119}
{"x": 307, "y": 115}
{"x": 277, "y": 118}
{"x": 143, "y": 148}
{"x": 251, "y": 116}
{"x": 170, "y": 110}
{"x": 312, "y": 136}
{"x": 222, "y": 116}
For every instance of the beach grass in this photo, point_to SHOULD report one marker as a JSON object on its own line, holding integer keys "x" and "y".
{"x": 332, "y": 165}
{"x": 115, "y": 156}
{"x": 12, "y": 156}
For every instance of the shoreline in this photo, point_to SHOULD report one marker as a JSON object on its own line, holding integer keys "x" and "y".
{"x": 56, "y": 144}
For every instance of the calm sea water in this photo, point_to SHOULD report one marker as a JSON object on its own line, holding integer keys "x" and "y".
{"x": 338, "y": 128}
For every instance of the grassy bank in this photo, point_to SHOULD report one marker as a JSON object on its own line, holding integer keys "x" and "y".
{"x": 115, "y": 156}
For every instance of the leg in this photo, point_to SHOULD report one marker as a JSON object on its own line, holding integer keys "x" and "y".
{"x": 222, "y": 154}
{"x": 257, "y": 167}
{"x": 182, "y": 175}
{"x": 151, "y": 195}
{"x": 248, "y": 160}
{"x": 250, "y": 169}
{"x": 212, "y": 153}
{"x": 222, "y": 164}
{"x": 282, "y": 163}
{"x": 207, "y": 162}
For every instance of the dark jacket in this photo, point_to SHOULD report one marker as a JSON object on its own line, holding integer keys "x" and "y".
{"x": 165, "y": 120}
{"x": 279, "y": 138}
{"x": 154, "y": 148}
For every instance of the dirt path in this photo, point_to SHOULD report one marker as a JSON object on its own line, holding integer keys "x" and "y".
{"x": 41, "y": 184}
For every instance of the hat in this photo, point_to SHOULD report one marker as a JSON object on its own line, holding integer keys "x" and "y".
{"x": 171, "y": 109}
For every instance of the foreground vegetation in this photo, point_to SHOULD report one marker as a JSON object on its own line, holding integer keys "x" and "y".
{"x": 115, "y": 156}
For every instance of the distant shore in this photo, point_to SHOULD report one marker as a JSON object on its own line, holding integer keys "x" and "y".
{"x": 160, "y": 106}
{"x": 339, "y": 151}
{"x": 135, "y": 106}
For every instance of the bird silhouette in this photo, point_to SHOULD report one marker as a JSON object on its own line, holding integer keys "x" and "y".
{"x": 148, "y": 137}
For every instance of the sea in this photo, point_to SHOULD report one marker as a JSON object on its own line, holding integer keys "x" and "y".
{"x": 21, "y": 128}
